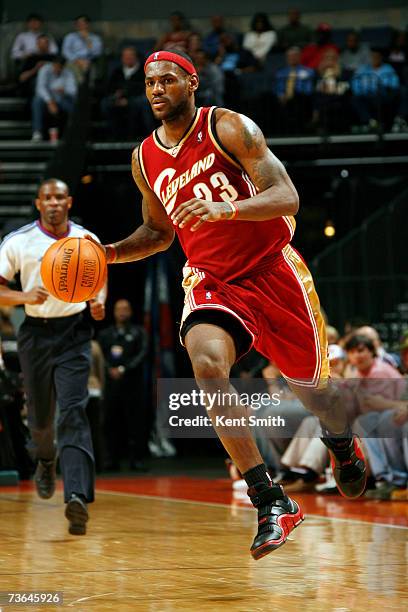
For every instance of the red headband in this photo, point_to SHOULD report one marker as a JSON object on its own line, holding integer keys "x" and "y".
{"x": 168, "y": 56}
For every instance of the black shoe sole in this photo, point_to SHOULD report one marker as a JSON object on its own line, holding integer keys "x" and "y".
{"x": 77, "y": 515}
{"x": 287, "y": 522}
{"x": 352, "y": 490}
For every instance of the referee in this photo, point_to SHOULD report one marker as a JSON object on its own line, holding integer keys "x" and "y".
{"x": 54, "y": 349}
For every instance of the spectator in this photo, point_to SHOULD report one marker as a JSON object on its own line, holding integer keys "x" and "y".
{"x": 398, "y": 55}
{"x": 376, "y": 90}
{"x": 232, "y": 61}
{"x": 372, "y": 333}
{"x": 355, "y": 53}
{"x": 333, "y": 335}
{"x": 211, "y": 90}
{"x": 294, "y": 86}
{"x": 294, "y": 33}
{"x": 379, "y": 386}
{"x": 403, "y": 349}
{"x": 177, "y": 37}
{"x": 124, "y": 347}
{"x": 126, "y": 106}
{"x": 32, "y": 64}
{"x": 330, "y": 108}
{"x": 230, "y": 58}
{"x": 261, "y": 38}
{"x": 194, "y": 44}
{"x": 212, "y": 41}
{"x": 82, "y": 47}
{"x": 386, "y": 428}
{"x": 54, "y": 98}
{"x": 25, "y": 43}
{"x": 313, "y": 53}
{"x": 337, "y": 359}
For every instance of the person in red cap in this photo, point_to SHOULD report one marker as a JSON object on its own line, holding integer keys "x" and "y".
{"x": 313, "y": 53}
{"x": 208, "y": 175}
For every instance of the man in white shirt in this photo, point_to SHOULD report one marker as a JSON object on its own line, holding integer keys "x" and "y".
{"x": 82, "y": 47}
{"x": 25, "y": 43}
{"x": 55, "y": 94}
{"x": 55, "y": 352}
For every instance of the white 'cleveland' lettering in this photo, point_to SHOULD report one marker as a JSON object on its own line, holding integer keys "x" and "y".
{"x": 168, "y": 194}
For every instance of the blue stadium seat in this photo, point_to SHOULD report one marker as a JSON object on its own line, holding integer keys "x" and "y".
{"x": 379, "y": 36}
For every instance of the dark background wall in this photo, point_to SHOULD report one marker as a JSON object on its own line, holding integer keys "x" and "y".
{"x": 105, "y": 10}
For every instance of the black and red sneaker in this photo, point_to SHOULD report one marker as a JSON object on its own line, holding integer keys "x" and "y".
{"x": 278, "y": 515}
{"x": 348, "y": 464}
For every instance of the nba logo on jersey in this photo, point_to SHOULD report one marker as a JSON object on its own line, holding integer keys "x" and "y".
{"x": 200, "y": 137}
{"x": 156, "y": 56}
{"x": 208, "y": 295}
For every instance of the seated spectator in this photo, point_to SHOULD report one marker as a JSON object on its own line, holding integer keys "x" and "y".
{"x": 294, "y": 86}
{"x": 212, "y": 82}
{"x": 32, "y": 64}
{"x": 355, "y": 53}
{"x": 313, "y": 53}
{"x": 25, "y": 43}
{"x": 54, "y": 98}
{"x": 261, "y": 38}
{"x": 82, "y": 47}
{"x": 330, "y": 107}
{"x": 372, "y": 333}
{"x": 177, "y": 37}
{"x": 211, "y": 41}
{"x": 398, "y": 55}
{"x": 230, "y": 58}
{"x": 333, "y": 335}
{"x": 125, "y": 105}
{"x": 294, "y": 33}
{"x": 403, "y": 349}
{"x": 194, "y": 44}
{"x": 379, "y": 385}
{"x": 337, "y": 360}
{"x": 232, "y": 61}
{"x": 376, "y": 90}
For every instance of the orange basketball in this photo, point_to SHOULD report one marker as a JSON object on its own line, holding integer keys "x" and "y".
{"x": 73, "y": 269}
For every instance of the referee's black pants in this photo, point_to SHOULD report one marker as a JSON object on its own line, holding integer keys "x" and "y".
{"x": 55, "y": 356}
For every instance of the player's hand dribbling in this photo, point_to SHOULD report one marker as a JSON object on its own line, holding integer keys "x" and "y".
{"x": 36, "y": 295}
{"x": 204, "y": 210}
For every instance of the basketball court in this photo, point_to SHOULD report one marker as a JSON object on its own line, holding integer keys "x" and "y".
{"x": 182, "y": 543}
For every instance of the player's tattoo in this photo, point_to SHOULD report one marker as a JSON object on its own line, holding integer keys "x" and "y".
{"x": 267, "y": 171}
{"x": 251, "y": 135}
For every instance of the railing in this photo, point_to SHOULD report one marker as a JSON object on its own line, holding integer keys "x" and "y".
{"x": 366, "y": 273}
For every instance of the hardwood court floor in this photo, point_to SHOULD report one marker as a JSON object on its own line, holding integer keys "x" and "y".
{"x": 181, "y": 544}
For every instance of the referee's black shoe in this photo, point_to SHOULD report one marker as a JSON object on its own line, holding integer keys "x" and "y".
{"x": 278, "y": 515}
{"x": 76, "y": 512}
{"x": 348, "y": 463}
{"x": 45, "y": 477}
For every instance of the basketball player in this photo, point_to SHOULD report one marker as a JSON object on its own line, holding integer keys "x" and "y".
{"x": 54, "y": 350}
{"x": 208, "y": 174}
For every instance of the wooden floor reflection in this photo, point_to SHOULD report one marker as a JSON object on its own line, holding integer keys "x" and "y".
{"x": 153, "y": 554}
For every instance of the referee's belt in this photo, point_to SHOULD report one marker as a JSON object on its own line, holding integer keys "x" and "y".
{"x": 52, "y": 321}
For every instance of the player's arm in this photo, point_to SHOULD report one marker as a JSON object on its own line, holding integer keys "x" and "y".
{"x": 276, "y": 196}
{"x": 156, "y": 234}
{"x": 11, "y": 297}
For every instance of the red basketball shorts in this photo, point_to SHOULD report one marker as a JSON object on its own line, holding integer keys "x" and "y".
{"x": 280, "y": 310}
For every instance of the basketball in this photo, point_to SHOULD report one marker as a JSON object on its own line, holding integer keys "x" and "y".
{"x": 73, "y": 269}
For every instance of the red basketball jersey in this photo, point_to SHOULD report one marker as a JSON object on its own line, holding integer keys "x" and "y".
{"x": 199, "y": 167}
